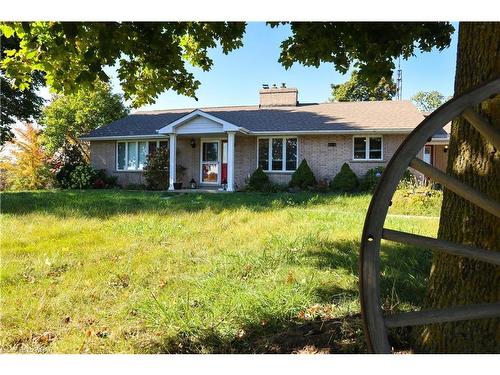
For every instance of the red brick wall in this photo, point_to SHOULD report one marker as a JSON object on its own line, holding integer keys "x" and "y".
{"x": 245, "y": 158}
{"x": 324, "y": 160}
{"x": 103, "y": 156}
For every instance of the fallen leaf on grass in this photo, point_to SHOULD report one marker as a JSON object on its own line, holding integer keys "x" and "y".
{"x": 45, "y": 338}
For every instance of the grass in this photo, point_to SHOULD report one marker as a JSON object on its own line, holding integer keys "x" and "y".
{"x": 142, "y": 272}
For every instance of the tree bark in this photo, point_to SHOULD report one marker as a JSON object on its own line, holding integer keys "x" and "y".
{"x": 473, "y": 160}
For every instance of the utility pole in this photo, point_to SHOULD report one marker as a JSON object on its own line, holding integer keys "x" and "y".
{"x": 399, "y": 82}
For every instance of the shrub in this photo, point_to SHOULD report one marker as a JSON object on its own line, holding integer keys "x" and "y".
{"x": 82, "y": 177}
{"x": 345, "y": 181}
{"x": 271, "y": 187}
{"x": 156, "y": 170}
{"x": 303, "y": 177}
{"x": 417, "y": 201}
{"x": 4, "y": 183}
{"x": 436, "y": 186}
{"x": 258, "y": 181}
{"x": 408, "y": 181}
{"x": 99, "y": 184}
{"x": 323, "y": 186}
{"x": 64, "y": 162}
{"x": 371, "y": 179}
{"x": 102, "y": 180}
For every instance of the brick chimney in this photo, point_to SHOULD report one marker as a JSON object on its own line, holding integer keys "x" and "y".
{"x": 278, "y": 96}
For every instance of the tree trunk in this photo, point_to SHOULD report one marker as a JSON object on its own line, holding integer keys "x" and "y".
{"x": 474, "y": 161}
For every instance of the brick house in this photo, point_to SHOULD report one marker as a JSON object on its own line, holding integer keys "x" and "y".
{"x": 222, "y": 146}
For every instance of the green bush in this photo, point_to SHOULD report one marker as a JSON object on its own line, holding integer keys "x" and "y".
{"x": 417, "y": 201}
{"x": 102, "y": 180}
{"x": 323, "y": 186}
{"x": 64, "y": 162}
{"x": 345, "y": 181}
{"x": 371, "y": 179}
{"x": 258, "y": 181}
{"x": 156, "y": 170}
{"x": 81, "y": 177}
{"x": 272, "y": 187}
{"x": 303, "y": 177}
{"x": 408, "y": 181}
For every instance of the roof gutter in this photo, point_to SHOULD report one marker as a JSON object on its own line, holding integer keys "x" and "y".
{"x": 346, "y": 132}
{"x": 261, "y": 133}
{"x": 124, "y": 137}
{"x": 438, "y": 141}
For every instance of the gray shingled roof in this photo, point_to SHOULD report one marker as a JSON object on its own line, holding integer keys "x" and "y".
{"x": 341, "y": 116}
{"x": 441, "y": 134}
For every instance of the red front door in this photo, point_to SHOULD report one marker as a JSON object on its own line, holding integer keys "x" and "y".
{"x": 224, "y": 163}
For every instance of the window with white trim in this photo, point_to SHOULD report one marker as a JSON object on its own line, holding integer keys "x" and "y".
{"x": 277, "y": 154}
{"x": 367, "y": 148}
{"x": 132, "y": 155}
{"x": 428, "y": 154}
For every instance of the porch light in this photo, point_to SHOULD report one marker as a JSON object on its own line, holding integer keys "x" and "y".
{"x": 192, "y": 143}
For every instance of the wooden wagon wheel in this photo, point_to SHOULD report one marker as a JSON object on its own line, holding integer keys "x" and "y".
{"x": 376, "y": 323}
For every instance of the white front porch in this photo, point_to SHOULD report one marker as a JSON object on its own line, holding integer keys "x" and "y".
{"x": 198, "y": 190}
{"x": 212, "y": 163}
{"x": 215, "y": 140}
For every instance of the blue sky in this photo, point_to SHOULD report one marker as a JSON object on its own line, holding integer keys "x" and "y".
{"x": 236, "y": 78}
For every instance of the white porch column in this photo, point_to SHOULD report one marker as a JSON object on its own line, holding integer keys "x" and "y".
{"x": 230, "y": 161}
{"x": 172, "y": 145}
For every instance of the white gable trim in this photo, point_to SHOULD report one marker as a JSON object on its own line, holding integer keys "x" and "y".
{"x": 226, "y": 126}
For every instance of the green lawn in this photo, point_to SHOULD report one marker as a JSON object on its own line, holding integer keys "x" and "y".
{"x": 142, "y": 272}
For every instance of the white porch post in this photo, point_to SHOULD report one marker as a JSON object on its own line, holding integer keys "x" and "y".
{"x": 173, "y": 162}
{"x": 230, "y": 161}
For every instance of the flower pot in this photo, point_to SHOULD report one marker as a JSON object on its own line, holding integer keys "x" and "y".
{"x": 177, "y": 185}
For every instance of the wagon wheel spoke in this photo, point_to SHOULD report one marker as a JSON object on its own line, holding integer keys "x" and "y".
{"x": 452, "y": 314}
{"x": 474, "y": 196}
{"x": 375, "y": 321}
{"x": 489, "y": 256}
{"x": 483, "y": 126}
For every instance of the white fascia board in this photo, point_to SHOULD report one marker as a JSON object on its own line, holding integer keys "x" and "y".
{"x": 346, "y": 132}
{"x": 169, "y": 129}
{"x": 124, "y": 137}
{"x": 438, "y": 141}
{"x": 226, "y": 126}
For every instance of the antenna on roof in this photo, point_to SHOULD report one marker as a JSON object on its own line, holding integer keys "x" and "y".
{"x": 399, "y": 82}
